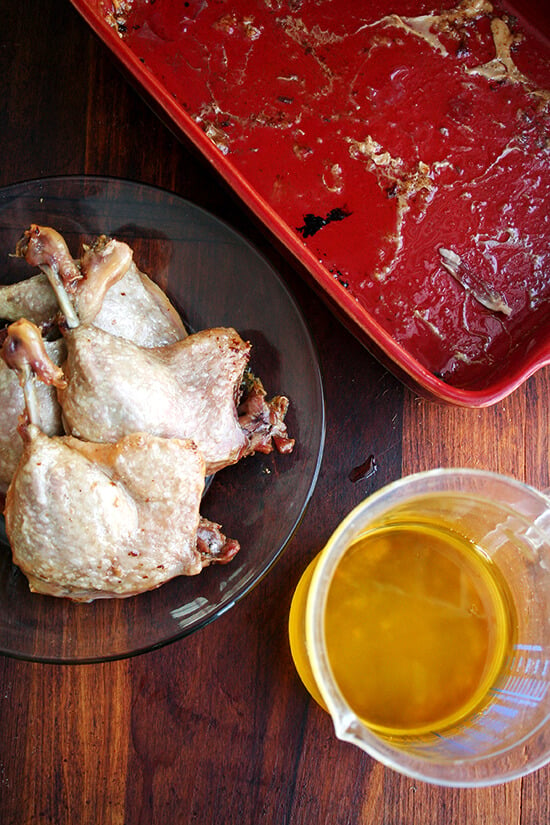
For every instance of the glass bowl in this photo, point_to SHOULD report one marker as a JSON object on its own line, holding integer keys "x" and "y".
{"x": 214, "y": 278}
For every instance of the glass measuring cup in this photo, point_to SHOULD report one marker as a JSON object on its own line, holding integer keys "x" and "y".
{"x": 504, "y": 731}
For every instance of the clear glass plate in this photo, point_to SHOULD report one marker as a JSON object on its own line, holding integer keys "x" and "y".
{"x": 214, "y": 278}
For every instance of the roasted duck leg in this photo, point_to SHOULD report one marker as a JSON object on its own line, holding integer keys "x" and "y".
{"x": 94, "y": 521}
{"x": 91, "y": 521}
{"x": 189, "y": 389}
{"x": 131, "y": 306}
{"x": 105, "y": 287}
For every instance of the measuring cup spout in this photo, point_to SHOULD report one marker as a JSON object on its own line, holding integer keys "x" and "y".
{"x": 348, "y": 728}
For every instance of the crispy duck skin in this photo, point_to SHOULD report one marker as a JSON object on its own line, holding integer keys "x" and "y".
{"x": 111, "y": 509}
{"x": 89, "y": 521}
{"x": 116, "y": 297}
{"x": 185, "y": 390}
{"x": 189, "y": 389}
{"x": 105, "y": 287}
{"x": 32, "y": 298}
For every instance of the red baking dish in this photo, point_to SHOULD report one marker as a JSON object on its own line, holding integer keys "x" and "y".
{"x": 398, "y": 149}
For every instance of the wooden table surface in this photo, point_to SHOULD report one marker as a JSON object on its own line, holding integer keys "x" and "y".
{"x": 217, "y": 728}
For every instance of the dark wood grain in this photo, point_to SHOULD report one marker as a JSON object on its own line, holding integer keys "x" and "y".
{"x": 217, "y": 728}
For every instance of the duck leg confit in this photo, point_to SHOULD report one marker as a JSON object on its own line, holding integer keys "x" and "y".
{"x": 88, "y": 520}
{"x": 127, "y": 418}
{"x": 105, "y": 288}
{"x": 188, "y": 389}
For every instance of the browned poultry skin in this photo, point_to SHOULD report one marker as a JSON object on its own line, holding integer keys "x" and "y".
{"x": 107, "y": 288}
{"x": 32, "y": 298}
{"x": 123, "y": 301}
{"x": 90, "y": 521}
{"x": 185, "y": 390}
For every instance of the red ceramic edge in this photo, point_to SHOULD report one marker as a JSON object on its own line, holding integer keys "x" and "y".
{"x": 363, "y": 325}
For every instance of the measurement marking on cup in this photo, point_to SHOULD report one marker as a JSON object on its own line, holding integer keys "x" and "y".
{"x": 494, "y": 724}
{"x": 455, "y": 742}
{"x": 505, "y": 710}
{"x": 524, "y": 690}
{"x": 525, "y": 663}
{"x": 537, "y": 648}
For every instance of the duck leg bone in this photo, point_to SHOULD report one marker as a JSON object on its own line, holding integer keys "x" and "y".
{"x": 24, "y": 352}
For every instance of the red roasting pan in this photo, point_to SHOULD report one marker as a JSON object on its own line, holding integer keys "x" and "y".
{"x": 399, "y": 150}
